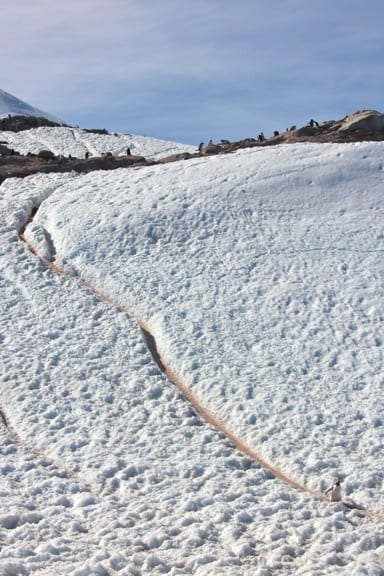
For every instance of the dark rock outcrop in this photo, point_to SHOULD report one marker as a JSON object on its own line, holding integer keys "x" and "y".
{"x": 21, "y": 166}
{"x": 19, "y": 123}
{"x": 177, "y": 157}
{"x": 46, "y": 154}
{"x": 5, "y": 151}
{"x": 366, "y": 125}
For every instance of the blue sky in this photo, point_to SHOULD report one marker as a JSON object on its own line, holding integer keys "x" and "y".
{"x": 197, "y": 69}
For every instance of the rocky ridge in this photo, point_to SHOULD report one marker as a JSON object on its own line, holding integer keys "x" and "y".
{"x": 365, "y": 125}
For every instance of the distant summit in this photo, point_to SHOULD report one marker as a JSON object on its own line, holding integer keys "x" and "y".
{"x": 12, "y": 106}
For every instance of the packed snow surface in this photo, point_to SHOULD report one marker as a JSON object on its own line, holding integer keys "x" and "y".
{"x": 260, "y": 276}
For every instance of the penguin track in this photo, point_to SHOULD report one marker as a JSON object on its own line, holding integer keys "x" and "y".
{"x": 42, "y": 458}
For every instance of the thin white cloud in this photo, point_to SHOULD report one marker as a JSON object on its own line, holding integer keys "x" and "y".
{"x": 143, "y": 55}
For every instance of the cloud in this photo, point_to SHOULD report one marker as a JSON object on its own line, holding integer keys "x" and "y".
{"x": 202, "y": 65}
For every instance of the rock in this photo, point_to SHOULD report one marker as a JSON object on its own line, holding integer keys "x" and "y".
{"x": 5, "y": 151}
{"x": 107, "y": 156}
{"x": 368, "y": 120}
{"x": 96, "y": 131}
{"x": 46, "y": 154}
{"x": 175, "y": 157}
{"x": 306, "y": 131}
{"x": 211, "y": 149}
{"x": 19, "y": 123}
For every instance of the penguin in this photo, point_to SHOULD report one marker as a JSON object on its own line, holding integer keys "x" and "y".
{"x": 334, "y": 492}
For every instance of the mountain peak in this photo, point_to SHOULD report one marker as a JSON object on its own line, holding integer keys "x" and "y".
{"x": 12, "y": 106}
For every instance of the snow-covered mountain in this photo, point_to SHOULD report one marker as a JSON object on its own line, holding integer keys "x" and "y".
{"x": 10, "y": 105}
{"x": 259, "y": 276}
{"x": 77, "y": 142}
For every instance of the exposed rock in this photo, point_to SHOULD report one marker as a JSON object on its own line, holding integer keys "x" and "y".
{"x": 370, "y": 120}
{"x": 21, "y": 166}
{"x": 107, "y": 156}
{"x": 330, "y": 125}
{"x": 19, "y": 123}
{"x": 5, "y": 151}
{"x": 176, "y": 157}
{"x": 366, "y": 125}
{"x": 211, "y": 149}
{"x": 305, "y": 131}
{"x": 46, "y": 154}
{"x": 361, "y": 126}
{"x": 96, "y": 130}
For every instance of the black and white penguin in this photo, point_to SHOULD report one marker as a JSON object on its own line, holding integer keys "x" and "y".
{"x": 334, "y": 492}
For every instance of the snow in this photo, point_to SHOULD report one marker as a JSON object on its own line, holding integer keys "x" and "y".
{"x": 77, "y": 142}
{"x": 260, "y": 276}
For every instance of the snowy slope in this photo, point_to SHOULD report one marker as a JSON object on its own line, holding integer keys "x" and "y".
{"x": 9, "y": 104}
{"x": 260, "y": 274}
{"x": 276, "y": 269}
{"x": 77, "y": 142}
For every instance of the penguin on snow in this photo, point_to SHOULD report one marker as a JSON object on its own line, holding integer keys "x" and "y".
{"x": 334, "y": 492}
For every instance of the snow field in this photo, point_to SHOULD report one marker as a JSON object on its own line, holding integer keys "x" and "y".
{"x": 262, "y": 286}
{"x": 77, "y": 142}
{"x": 238, "y": 274}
